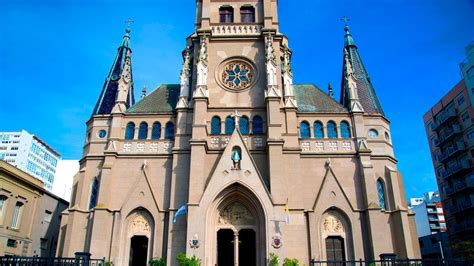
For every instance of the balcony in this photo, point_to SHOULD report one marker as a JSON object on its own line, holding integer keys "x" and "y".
{"x": 433, "y": 219}
{"x": 460, "y": 186}
{"x": 447, "y": 135}
{"x": 459, "y": 167}
{"x": 236, "y": 29}
{"x": 461, "y": 205}
{"x": 451, "y": 151}
{"x": 443, "y": 117}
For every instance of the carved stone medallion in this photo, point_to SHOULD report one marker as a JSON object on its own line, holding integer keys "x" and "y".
{"x": 236, "y": 214}
{"x": 333, "y": 225}
{"x": 139, "y": 224}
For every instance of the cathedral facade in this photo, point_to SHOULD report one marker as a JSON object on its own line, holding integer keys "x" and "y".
{"x": 254, "y": 164}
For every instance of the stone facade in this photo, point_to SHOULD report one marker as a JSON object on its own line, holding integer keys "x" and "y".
{"x": 237, "y": 142}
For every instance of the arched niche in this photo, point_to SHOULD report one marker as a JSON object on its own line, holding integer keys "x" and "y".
{"x": 336, "y": 233}
{"x": 139, "y": 228}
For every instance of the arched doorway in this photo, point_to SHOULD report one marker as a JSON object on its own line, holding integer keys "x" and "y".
{"x": 238, "y": 226}
{"x": 336, "y": 237}
{"x": 139, "y": 238}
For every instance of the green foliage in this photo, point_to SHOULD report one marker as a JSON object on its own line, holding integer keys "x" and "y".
{"x": 109, "y": 263}
{"x": 185, "y": 261}
{"x": 274, "y": 260}
{"x": 157, "y": 262}
{"x": 291, "y": 262}
{"x": 464, "y": 249}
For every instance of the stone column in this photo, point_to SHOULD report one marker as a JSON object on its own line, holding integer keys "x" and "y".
{"x": 236, "y": 249}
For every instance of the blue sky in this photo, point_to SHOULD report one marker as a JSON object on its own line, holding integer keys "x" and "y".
{"x": 55, "y": 55}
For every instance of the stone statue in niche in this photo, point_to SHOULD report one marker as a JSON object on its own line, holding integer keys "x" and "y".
{"x": 185, "y": 72}
{"x": 270, "y": 62}
{"x": 202, "y": 70}
{"x": 236, "y": 214}
{"x": 139, "y": 225}
{"x": 332, "y": 225}
{"x": 236, "y": 158}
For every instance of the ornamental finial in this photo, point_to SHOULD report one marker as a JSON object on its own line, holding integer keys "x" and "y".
{"x": 236, "y": 115}
{"x": 128, "y": 22}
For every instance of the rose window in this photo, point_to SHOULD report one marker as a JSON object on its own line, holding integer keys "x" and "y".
{"x": 237, "y": 75}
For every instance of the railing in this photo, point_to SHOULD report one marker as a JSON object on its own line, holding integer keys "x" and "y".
{"x": 456, "y": 168}
{"x": 326, "y": 145}
{"x": 459, "y": 146}
{"x": 455, "y": 129}
{"x": 443, "y": 117}
{"x": 39, "y": 261}
{"x": 236, "y": 29}
{"x": 460, "y": 186}
{"x": 389, "y": 262}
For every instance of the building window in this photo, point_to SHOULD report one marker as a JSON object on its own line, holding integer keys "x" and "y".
{"x": 381, "y": 194}
{"x": 3, "y": 201}
{"x": 257, "y": 125}
{"x": 465, "y": 116}
{"x": 247, "y": 14}
{"x": 387, "y": 136}
{"x": 101, "y": 134}
{"x": 17, "y": 215}
{"x": 226, "y": 14}
{"x": 156, "y": 131}
{"x": 461, "y": 100}
{"x": 130, "y": 131}
{"x": 318, "y": 130}
{"x": 304, "y": 130}
{"x": 332, "y": 130}
{"x": 143, "y": 131}
{"x": 229, "y": 125}
{"x": 94, "y": 193}
{"x": 470, "y": 135}
{"x": 48, "y": 216}
{"x": 244, "y": 125}
{"x": 215, "y": 125}
{"x": 373, "y": 133}
{"x": 43, "y": 244}
{"x": 169, "y": 131}
{"x": 11, "y": 243}
{"x": 345, "y": 130}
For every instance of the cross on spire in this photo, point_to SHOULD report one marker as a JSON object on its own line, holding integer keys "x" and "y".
{"x": 129, "y": 22}
{"x": 346, "y": 20}
{"x": 236, "y": 117}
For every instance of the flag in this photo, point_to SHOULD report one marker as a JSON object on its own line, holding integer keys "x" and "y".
{"x": 180, "y": 211}
{"x": 287, "y": 213}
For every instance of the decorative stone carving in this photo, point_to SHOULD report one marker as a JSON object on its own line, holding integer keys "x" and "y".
{"x": 202, "y": 69}
{"x": 287, "y": 74}
{"x": 236, "y": 214}
{"x": 184, "y": 80}
{"x": 351, "y": 84}
{"x": 333, "y": 225}
{"x": 237, "y": 75}
{"x": 139, "y": 225}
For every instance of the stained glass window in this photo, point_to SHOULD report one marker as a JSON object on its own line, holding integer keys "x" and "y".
{"x": 257, "y": 125}
{"x": 216, "y": 125}
{"x": 143, "y": 131}
{"x": 169, "y": 131}
{"x": 304, "y": 130}
{"x": 94, "y": 193}
{"x": 156, "y": 131}
{"x": 102, "y": 134}
{"x": 229, "y": 125}
{"x": 237, "y": 75}
{"x": 345, "y": 130}
{"x": 381, "y": 194}
{"x": 332, "y": 130}
{"x": 130, "y": 131}
{"x": 244, "y": 125}
{"x": 318, "y": 130}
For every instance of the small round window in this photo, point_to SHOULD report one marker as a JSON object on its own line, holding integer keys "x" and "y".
{"x": 102, "y": 134}
{"x": 387, "y": 136}
{"x": 373, "y": 133}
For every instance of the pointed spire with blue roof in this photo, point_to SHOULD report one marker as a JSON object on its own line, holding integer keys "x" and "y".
{"x": 353, "y": 65}
{"x": 109, "y": 95}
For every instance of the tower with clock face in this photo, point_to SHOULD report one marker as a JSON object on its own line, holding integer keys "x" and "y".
{"x": 236, "y": 162}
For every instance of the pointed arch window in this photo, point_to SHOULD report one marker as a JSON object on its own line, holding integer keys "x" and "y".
{"x": 247, "y": 14}
{"x": 318, "y": 130}
{"x": 143, "y": 130}
{"x": 216, "y": 125}
{"x": 17, "y": 212}
{"x": 229, "y": 125}
{"x": 257, "y": 125}
{"x": 156, "y": 131}
{"x": 345, "y": 130}
{"x": 332, "y": 130}
{"x": 226, "y": 14}
{"x": 94, "y": 193}
{"x": 169, "y": 131}
{"x": 244, "y": 125}
{"x": 304, "y": 130}
{"x": 381, "y": 194}
{"x": 130, "y": 131}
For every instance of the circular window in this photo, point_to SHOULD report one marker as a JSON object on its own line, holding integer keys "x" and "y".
{"x": 373, "y": 133}
{"x": 101, "y": 134}
{"x": 236, "y": 74}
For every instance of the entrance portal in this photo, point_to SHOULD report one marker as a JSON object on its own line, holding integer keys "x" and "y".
{"x": 335, "y": 248}
{"x": 138, "y": 251}
{"x": 247, "y": 247}
{"x": 225, "y": 247}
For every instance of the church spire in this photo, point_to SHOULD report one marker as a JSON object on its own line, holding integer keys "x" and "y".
{"x": 118, "y": 87}
{"x": 356, "y": 88}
